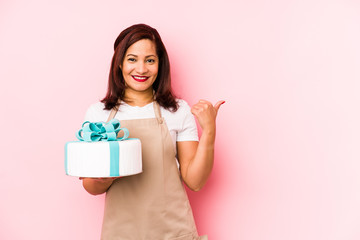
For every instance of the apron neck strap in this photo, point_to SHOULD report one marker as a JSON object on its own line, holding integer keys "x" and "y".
{"x": 114, "y": 110}
{"x": 157, "y": 111}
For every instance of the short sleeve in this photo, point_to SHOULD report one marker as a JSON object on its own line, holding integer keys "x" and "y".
{"x": 89, "y": 115}
{"x": 188, "y": 131}
{"x": 96, "y": 113}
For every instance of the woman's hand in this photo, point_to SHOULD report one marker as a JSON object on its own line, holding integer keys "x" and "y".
{"x": 206, "y": 113}
{"x": 97, "y": 186}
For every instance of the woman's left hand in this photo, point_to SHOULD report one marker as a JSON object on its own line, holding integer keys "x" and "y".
{"x": 206, "y": 113}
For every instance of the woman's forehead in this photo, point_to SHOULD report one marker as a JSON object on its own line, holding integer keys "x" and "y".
{"x": 143, "y": 47}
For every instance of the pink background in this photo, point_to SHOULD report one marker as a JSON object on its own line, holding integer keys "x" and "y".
{"x": 288, "y": 143}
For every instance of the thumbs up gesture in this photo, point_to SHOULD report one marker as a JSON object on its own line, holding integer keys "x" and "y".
{"x": 206, "y": 113}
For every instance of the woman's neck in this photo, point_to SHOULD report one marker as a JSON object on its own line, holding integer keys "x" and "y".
{"x": 139, "y": 99}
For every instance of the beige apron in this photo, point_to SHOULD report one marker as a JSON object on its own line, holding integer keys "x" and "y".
{"x": 152, "y": 205}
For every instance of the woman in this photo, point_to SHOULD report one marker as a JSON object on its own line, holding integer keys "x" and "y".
{"x": 152, "y": 205}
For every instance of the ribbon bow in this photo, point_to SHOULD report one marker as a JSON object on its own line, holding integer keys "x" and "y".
{"x": 101, "y": 131}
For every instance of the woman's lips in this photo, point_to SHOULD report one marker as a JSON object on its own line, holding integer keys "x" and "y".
{"x": 140, "y": 78}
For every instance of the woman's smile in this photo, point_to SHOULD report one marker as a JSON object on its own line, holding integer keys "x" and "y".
{"x": 140, "y": 78}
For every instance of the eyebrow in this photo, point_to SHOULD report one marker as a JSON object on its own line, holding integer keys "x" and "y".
{"x": 130, "y": 54}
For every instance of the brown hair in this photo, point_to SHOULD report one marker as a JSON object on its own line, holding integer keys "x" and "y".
{"x": 162, "y": 85}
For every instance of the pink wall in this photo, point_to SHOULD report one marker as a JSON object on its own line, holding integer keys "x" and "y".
{"x": 288, "y": 145}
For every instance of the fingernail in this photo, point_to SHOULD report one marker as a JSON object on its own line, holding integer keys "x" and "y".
{"x": 223, "y": 102}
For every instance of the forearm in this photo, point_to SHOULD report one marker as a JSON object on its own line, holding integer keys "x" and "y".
{"x": 200, "y": 166}
{"x": 96, "y": 186}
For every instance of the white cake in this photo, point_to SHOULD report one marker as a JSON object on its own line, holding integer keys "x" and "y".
{"x": 103, "y": 158}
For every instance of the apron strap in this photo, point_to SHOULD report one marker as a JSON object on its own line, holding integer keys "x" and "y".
{"x": 113, "y": 112}
{"x": 157, "y": 112}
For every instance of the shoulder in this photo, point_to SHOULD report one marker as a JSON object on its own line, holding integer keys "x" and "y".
{"x": 183, "y": 109}
{"x": 180, "y": 116}
{"x": 183, "y": 105}
{"x": 96, "y": 112}
{"x": 99, "y": 106}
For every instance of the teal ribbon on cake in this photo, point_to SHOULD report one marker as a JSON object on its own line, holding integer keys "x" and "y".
{"x": 101, "y": 131}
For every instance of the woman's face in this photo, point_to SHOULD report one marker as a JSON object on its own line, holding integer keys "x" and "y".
{"x": 140, "y": 66}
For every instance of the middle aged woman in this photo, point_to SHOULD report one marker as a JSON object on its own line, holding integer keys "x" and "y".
{"x": 153, "y": 205}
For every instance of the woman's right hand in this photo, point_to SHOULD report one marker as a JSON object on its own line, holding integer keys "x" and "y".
{"x": 96, "y": 186}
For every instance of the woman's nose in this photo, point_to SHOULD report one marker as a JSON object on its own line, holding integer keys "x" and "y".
{"x": 141, "y": 67}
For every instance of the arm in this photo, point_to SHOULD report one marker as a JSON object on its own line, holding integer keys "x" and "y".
{"x": 197, "y": 158}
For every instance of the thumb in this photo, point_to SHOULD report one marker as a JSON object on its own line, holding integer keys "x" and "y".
{"x": 218, "y": 104}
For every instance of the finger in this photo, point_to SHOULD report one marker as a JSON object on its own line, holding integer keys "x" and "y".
{"x": 195, "y": 111}
{"x": 204, "y": 101}
{"x": 218, "y": 104}
{"x": 196, "y": 107}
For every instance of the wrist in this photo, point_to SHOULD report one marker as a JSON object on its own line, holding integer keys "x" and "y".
{"x": 209, "y": 130}
{"x": 208, "y": 137}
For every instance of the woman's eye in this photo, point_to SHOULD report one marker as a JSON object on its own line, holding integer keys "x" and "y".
{"x": 131, "y": 59}
{"x": 151, "y": 60}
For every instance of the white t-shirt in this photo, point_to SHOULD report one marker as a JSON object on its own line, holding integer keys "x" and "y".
{"x": 181, "y": 124}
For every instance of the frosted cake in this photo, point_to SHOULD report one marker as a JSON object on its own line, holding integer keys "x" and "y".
{"x": 100, "y": 153}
